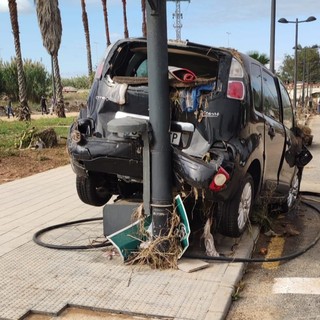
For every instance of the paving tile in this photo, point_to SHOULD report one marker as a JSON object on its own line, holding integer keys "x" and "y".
{"x": 36, "y": 278}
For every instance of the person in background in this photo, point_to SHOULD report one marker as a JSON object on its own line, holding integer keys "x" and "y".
{"x": 9, "y": 108}
{"x": 43, "y": 105}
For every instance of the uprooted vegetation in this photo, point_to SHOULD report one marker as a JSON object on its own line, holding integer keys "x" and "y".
{"x": 161, "y": 252}
{"x": 16, "y": 163}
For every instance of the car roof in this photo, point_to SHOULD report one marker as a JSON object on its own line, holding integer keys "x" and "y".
{"x": 186, "y": 45}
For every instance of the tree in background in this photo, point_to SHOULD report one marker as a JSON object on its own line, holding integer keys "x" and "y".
{"x": 49, "y": 20}
{"x": 80, "y": 82}
{"x": 37, "y": 79}
{"x": 9, "y": 79}
{"x": 24, "y": 110}
{"x": 106, "y": 22}
{"x": 308, "y": 66}
{"x": 286, "y": 70}
{"x": 125, "y": 22}
{"x": 87, "y": 36}
{"x": 261, "y": 57}
{"x": 144, "y": 18}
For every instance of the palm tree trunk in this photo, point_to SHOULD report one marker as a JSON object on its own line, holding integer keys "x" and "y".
{"x": 24, "y": 111}
{"x": 125, "y": 22}
{"x": 54, "y": 95}
{"x": 60, "y": 103}
{"x": 49, "y": 19}
{"x": 87, "y": 35}
{"x": 144, "y": 18}
{"x": 106, "y": 23}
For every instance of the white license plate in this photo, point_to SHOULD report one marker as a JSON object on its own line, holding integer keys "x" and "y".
{"x": 175, "y": 138}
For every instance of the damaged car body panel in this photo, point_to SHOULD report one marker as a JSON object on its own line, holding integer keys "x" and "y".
{"x": 233, "y": 130}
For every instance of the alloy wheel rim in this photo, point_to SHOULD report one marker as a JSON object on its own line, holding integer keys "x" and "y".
{"x": 293, "y": 192}
{"x": 245, "y": 205}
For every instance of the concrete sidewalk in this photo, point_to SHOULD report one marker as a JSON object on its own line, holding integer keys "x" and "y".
{"x": 42, "y": 280}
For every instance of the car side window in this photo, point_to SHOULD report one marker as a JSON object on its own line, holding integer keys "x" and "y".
{"x": 287, "y": 107}
{"x": 256, "y": 86}
{"x": 270, "y": 96}
{"x": 142, "y": 70}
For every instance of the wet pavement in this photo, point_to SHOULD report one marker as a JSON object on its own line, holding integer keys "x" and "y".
{"x": 39, "y": 280}
{"x": 36, "y": 279}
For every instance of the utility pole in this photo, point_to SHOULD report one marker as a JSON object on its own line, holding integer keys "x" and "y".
{"x": 159, "y": 106}
{"x": 178, "y": 16}
{"x": 272, "y": 35}
{"x": 228, "y": 33}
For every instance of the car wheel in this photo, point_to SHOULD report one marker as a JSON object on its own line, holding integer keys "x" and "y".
{"x": 293, "y": 192}
{"x": 91, "y": 192}
{"x": 233, "y": 215}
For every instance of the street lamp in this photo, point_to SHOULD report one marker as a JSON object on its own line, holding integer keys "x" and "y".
{"x": 272, "y": 34}
{"x": 283, "y": 20}
{"x": 228, "y": 33}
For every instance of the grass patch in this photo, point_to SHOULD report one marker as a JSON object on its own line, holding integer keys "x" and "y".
{"x": 11, "y": 130}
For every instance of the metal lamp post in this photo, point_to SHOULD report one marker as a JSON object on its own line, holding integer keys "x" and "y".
{"x": 272, "y": 34}
{"x": 283, "y": 20}
{"x": 304, "y": 76}
{"x": 159, "y": 106}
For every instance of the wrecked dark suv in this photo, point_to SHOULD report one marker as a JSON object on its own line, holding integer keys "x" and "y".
{"x": 233, "y": 133}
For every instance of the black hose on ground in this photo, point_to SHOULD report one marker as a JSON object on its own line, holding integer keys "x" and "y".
{"x": 192, "y": 256}
{"x": 36, "y": 237}
{"x": 261, "y": 260}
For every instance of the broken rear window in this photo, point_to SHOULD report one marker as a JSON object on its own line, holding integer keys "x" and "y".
{"x": 130, "y": 60}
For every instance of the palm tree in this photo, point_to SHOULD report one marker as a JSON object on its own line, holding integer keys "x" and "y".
{"x": 24, "y": 110}
{"x": 49, "y": 20}
{"x": 87, "y": 35}
{"x": 144, "y": 18}
{"x": 261, "y": 57}
{"x": 106, "y": 23}
{"x": 125, "y": 22}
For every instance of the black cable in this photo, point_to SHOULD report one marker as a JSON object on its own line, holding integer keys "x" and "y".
{"x": 192, "y": 256}
{"x": 64, "y": 247}
{"x": 261, "y": 260}
{"x": 309, "y": 193}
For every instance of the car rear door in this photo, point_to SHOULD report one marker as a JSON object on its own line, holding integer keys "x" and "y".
{"x": 288, "y": 167}
{"x": 274, "y": 132}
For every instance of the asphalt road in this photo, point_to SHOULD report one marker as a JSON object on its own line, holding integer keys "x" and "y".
{"x": 290, "y": 289}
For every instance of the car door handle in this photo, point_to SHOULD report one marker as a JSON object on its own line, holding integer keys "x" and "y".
{"x": 271, "y": 131}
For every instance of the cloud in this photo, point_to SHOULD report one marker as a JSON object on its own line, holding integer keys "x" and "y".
{"x": 24, "y": 6}
{"x": 3, "y": 6}
{"x": 298, "y": 9}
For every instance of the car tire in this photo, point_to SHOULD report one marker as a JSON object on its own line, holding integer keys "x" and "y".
{"x": 233, "y": 215}
{"x": 91, "y": 192}
{"x": 293, "y": 193}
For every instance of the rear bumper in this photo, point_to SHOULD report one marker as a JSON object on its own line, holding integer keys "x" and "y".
{"x": 101, "y": 155}
{"x": 120, "y": 159}
{"x": 122, "y": 156}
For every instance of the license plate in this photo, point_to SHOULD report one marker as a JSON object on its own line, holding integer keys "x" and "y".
{"x": 175, "y": 138}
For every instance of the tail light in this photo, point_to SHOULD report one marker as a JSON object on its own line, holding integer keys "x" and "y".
{"x": 236, "y": 88}
{"x": 219, "y": 180}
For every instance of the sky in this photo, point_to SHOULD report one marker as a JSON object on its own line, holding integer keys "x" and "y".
{"x": 240, "y": 24}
